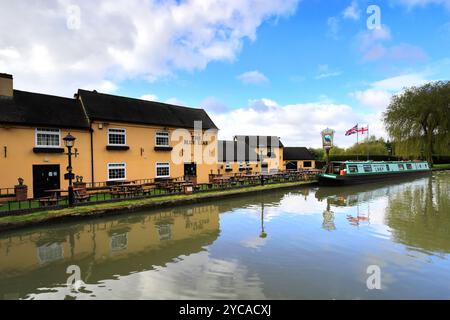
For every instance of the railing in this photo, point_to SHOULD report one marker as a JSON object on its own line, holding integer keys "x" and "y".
{"x": 7, "y": 192}
{"x": 102, "y": 192}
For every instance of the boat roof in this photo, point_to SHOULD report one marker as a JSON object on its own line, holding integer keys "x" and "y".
{"x": 377, "y": 162}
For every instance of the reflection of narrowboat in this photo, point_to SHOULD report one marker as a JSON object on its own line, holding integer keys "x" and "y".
{"x": 356, "y": 172}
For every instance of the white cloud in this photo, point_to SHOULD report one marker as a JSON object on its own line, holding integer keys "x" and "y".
{"x": 253, "y": 77}
{"x": 372, "y": 45}
{"x": 397, "y": 83}
{"x": 373, "y": 98}
{"x": 213, "y": 105}
{"x": 119, "y": 40}
{"x": 333, "y": 27}
{"x": 352, "y": 11}
{"x": 297, "y": 124}
{"x": 175, "y": 101}
{"x": 326, "y": 72}
{"x": 414, "y": 3}
{"x": 379, "y": 94}
{"x": 149, "y": 97}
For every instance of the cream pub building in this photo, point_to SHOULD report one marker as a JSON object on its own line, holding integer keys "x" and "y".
{"x": 117, "y": 139}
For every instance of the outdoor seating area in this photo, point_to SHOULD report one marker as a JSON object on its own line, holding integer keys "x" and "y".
{"x": 101, "y": 192}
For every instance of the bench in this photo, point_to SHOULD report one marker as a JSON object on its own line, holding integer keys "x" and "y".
{"x": 47, "y": 201}
{"x": 81, "y": 195}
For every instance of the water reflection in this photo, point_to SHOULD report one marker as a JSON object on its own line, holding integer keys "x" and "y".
{"x": 104, "y": 248}
{"x": 420, "y": 215}
{"x": 297, "y": 244}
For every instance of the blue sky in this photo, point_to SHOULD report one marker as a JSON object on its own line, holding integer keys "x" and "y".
{"x": 286, "y": 68}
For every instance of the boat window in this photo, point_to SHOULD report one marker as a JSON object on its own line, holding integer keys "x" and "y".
{"x": 401, "y": 167}
{"x": 409, "y": 166}
{"x": 367, "y": 168}
{"x": 387, "y": 168}
{"x": 353, "y": 169}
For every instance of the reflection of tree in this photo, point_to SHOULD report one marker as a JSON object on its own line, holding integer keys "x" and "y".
{"x": 420, "y": 216}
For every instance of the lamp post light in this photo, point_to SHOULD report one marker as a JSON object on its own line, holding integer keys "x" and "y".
{"x": 69, "y": 142}
{"x": 261, "y": 167}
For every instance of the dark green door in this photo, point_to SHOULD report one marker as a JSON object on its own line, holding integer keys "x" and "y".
{"x": 45, "y": 177}
{"x": 190, "y": 172}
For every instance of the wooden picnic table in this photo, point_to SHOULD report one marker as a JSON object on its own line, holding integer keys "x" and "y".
{"x": 129, "y": 189}
{"x": 80, "y": 194}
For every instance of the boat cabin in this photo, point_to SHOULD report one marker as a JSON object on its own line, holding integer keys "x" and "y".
{"x": 374, "y": 167}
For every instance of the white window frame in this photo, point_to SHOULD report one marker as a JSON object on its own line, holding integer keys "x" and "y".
{"x": 241, "y": 164}
{"x": 123, "y": 132}
{"x": 117, "y": 165}
{"x": 160, "y": 164}
{"x": 47, "y": 131}
{"x": 228, "y": 166}
{"x": 161, "y": 134}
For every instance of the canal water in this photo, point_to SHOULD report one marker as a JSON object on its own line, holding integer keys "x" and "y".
{"x": 321, "y": 242}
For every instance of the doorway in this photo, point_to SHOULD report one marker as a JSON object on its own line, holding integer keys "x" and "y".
{"x": 291, "y": 165}
{"x": 190, "y": 172}
{"x": 45, "y": 177}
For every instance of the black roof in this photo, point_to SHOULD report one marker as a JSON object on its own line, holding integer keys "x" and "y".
{"x": 105, "y": 107}
{"x": 35, "y": 109}
{"x": 297, "y": 153}
{"x": 234, "y": 151}
{"x": 260, "y": 141}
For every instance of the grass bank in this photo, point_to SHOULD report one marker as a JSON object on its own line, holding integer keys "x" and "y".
{"x": 445, "y": 166}
{"x": 96, "y": 210}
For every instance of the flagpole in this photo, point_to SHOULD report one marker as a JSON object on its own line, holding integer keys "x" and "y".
{"x": 368, "y": 142}
{"x": 357, "y": 141}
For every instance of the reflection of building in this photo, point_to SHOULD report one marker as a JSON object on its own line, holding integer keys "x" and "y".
{"x": 114, "y": 246}
{"x": 50, "y": 252}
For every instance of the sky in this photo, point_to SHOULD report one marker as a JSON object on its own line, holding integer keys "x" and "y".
{"x": 287, "y": 68}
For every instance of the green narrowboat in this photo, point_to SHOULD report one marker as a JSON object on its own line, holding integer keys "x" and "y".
{"x": 357, "y": 172}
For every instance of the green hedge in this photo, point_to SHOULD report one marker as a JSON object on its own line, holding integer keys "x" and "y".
{"x": 364, "y": 157}
{"x": 437, "y": 159}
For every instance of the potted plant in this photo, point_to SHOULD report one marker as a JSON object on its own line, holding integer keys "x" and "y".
{"x": 21, "y": 190}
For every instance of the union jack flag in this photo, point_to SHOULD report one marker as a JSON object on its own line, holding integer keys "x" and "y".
{"x": 352, "y": 131}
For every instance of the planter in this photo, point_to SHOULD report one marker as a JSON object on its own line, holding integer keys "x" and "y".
{"x": 21, "y": 192}
{"x": 79, "y": 185}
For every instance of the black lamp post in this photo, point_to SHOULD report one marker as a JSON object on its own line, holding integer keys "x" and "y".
{"x": 69, "y": 142}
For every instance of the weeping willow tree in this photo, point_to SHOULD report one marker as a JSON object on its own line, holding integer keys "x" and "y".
{"x": 418, "y": 122}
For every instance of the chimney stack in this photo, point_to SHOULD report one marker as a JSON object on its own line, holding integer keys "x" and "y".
{"x": 6, "y": 85}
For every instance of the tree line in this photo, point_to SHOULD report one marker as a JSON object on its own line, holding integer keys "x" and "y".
{"x": 418, "y": 120}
